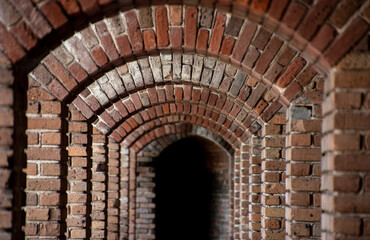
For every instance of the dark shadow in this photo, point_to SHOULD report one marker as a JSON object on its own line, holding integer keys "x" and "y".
{"x": 183, "y": 192}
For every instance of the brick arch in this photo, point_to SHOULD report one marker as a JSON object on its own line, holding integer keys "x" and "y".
{"x": 18, "y": 35}
{"x": 306, "y": 30}
{"x": 72, "y": 66}
{"x": 172, "y": 133}
{"x": 176, "y": 131}
{"x": 156, "y": 127}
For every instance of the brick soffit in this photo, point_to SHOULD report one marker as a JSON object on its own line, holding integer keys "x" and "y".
{"x": 98, "y": 54}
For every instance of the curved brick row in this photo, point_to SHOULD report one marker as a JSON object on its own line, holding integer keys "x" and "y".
{"x": 279, "y": 45}
{"x": 220, "y": 166}
{"x": 137, "y": 135}
{"x": 178, "y": 68}
{"x": 316, "y": 29}
{"x": 66, "y": 70}
{"x": 178, "y": 131}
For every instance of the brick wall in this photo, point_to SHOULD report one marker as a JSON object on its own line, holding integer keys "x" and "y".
{"x": 86, "y": 86}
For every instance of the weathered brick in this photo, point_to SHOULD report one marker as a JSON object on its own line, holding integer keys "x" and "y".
{"x": 191, "y": 16}
{"x": 217, "y": 34}
{"x": 134, "y": 32}
{"x": 161, "y": 26}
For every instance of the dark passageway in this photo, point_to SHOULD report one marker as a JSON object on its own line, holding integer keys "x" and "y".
{"x": 189, "y": 190}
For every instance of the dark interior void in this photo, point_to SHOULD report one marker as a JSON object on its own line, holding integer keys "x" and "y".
{"x": 192, "y": 184}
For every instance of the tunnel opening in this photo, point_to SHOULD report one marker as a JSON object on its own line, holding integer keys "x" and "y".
{"x": 192, "y": 179}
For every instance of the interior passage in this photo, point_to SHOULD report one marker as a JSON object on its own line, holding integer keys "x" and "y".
{"x": 192, "y": 191}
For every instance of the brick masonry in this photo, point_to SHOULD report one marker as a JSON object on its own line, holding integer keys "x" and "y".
{"x": 245, "y": 74}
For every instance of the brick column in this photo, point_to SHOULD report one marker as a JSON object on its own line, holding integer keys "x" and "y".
{"x": 273, "y": 182}
{"x": 45, "y": 203}
{"x": 145, "y": 198}
{"x": 346, "y": 148}
{"x": 6, "y": 157}
{"x": 303, "y": 154}
{"x": 113, "y": 196}
{"x": 244, "y": 191}
{"x": 79, "y": 175}
{"x": 132, "y": 195}
{"x": 236, "y": 195}
{"x": 255, "y": 188}
{"x": 99, "y": 185}
{"x": 124, "y": 191}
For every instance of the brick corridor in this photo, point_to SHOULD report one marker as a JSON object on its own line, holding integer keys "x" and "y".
{"x": 92, "y": 92}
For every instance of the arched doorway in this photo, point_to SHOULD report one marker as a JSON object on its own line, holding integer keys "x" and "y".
{"x": 192, "y": 191}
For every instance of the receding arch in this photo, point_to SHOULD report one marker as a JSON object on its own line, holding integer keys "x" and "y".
{"x": 271, "y": 14}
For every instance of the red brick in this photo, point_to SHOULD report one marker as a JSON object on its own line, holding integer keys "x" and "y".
{"x": 106, "y": 41}
{"x": 260, "y": 5}
{"x": 134, "y": 32}
{"x": 292, "y": 91}
{"x": 161, "y": 26}
{"x": 90, "y": 7}
{"x": 78, "y": 233}
{"x": 217, "y": 34}
{"x": 54, "y": 14}
{"x": 123, "y": 45}
{"x": 299, "y": 184}
{"x": 306, "y": 75}
{"x": 78, "y": 72}
{"x": 267, "y": 56}
{"x": 261, "y": 38}
{"x": 175, "y": 15}
{"x": 24, "y": 35}
{"x": 62, "y": 74}
{"x": 43, "y": 154}
{"x": 202, "y": 41}
{"x": 296, "y": 139}
{"x": 271, "y": 110}
{"x": 191, "y": 20}
{"x": 50, "y": 199}
{"x": 298, "y": 199}
{"x": 277, "y": 8}
{"x": 344, "y": 10}
{"x": 37, "y": 214}
{"x": 51, "y": 138}
{"x": 176, "y": 37}
{"x": 293, "y": 69}
{"x": 322, "y": 39}
{"x": 315, "y": 18}
{"x": 7, "y": 118}
{"x": 32, "y": 138}
{"x": 99, "y": 56}
{"x": 58, "y": 90}
{"x": 9, "y": 15}
{"x": 10, "y": 45}
{"x": 302, "y": 154}
{"x": 49, "y": 229}
{"x": 309, "y": 215}
{"x": 43, "y": 184}
{"x": 294, "y": 14}
{"x": 261, "y": 105}
{"x": 83, "y": 107}
{"x": 243, "y": 42}
{"x": 82, "y": 55}
{"x": 70, "y": 6}
{"x": 35, "y": 19}
{"x": 50, "y": 107}
{"x": 345, "y": 41}
{"x": 44, "y": 123}
{"x": 227, "y": 46}
{"x": 38, "y": 94}
{"x": 149, "y": 40}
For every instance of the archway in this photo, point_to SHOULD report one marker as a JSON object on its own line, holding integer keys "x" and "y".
{"x": 192, "y": 191}
{"x": 80, "y": 107}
